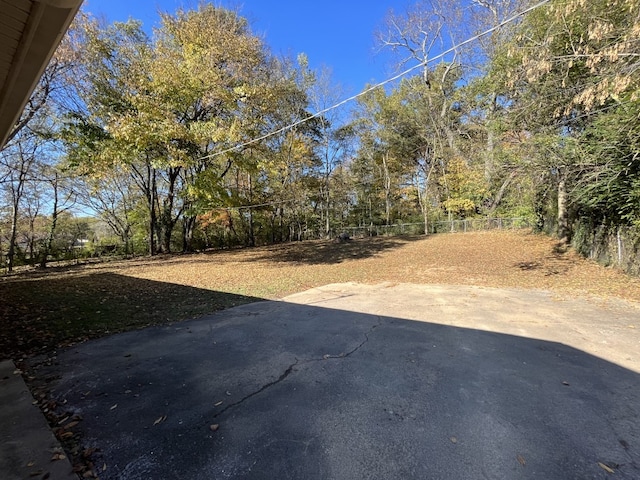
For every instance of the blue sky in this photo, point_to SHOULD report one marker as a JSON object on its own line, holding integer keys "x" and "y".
{"x": 335, "y": 33}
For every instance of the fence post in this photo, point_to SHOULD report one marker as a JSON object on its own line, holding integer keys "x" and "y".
{"x": 619, "y": 247}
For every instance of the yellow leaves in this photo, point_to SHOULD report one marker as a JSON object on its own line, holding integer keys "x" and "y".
{"x": 599, "y": 30}
{"x": 568, "y": 37}
{"x": 464, "y": 184}
{"x": 181, "y": 90}
{"x": 241, "y": 91}
{"x": 598, "y": 94}
{"x": 459, "y": 205}
{"x": 534, "y": 70}
{"x": 566, "y": 9}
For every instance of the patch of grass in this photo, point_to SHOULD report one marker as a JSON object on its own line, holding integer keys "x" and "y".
{"x": 40, "y": 313}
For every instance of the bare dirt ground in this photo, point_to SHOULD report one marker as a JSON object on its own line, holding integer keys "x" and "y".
{"x": 40, "y": 310}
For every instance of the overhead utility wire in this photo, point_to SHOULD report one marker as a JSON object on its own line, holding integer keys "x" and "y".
{"x": 388, "y": 80}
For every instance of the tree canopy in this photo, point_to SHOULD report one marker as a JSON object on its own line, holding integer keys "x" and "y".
{"x": 195, "y": 135}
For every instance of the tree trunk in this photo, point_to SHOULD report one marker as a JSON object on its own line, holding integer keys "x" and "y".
{"x": 16, "y": 191}
{"x": 188, "y": 227}
{"x": 12, "y": 238}
{"x": 327, "y": 226}
{"x": 425, "y": 210}
{"x": 387, "y": 189}
{"x": 151, "y": 200}
{"x": 564, "y": 233}
{"x": 32, "y": 234}
{"x": 490, "y": 152}
{"x": 52, "y": 229}
{"x": 128, "y": 248}
{"x": 167, "y": 219}
{"x": 502, "y": 191}
{"x": 17, "y": 195}
{"x": 251, "y": 238}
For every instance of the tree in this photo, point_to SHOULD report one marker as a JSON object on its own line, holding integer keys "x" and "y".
{"x": 19, "y": 164}
{"x": 162, "y": 106}
{"x": 28, "y": 148}
{"x": 115, "y": 200}
{"x": 334, "y": 141}
{"x": 417, "y": 36}
{"x": 566, "y": 65}
{"x": 62, "y": 200}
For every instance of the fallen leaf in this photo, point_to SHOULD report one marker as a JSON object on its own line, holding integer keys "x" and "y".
{"x": 66, "y": 435}
{"x": 160, "y": 420}
{"x": 104, "y": 467}
{"x": 113, "y": 406}
{"x": 71, "y": 424}
{"x": 214, "y": 427}
{"x": 58, "y": 456}
{"x": 565, "y": 383}
{"x": 218, "y": 403}
{"x": 606, "y": 467}
{"x": 521, "y": 460}
{"x": 87, "y": 452}
{"x": 31, "y": 464}
{"x": 453, "y": 440}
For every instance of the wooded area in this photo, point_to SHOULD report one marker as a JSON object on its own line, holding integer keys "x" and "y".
{"x": 179, "y": 141}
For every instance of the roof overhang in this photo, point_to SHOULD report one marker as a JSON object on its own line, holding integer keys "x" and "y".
{"x": 30, "y": 32}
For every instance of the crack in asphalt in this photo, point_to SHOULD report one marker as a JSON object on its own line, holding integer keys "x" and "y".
{"x": 291, "y": 367}
{"x": 286, "y": 373}
{"x": 345, "y": 355}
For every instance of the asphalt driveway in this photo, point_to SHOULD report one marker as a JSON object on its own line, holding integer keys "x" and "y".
{"x": 367, "y": 382}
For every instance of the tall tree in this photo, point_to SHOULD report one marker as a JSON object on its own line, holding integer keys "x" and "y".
{"x": 19, "y": 163}
{"x": 568, "y": 62}
{"x": 162, "y": 106}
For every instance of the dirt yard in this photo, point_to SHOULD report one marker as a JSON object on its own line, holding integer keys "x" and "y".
{"x": 40, "y": 310}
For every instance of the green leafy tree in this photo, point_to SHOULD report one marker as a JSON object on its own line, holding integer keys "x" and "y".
{"x": 162, "y": 106}
{"x": 572, "y": 74}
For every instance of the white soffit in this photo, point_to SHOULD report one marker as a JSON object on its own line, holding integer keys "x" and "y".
{"x": 30, "y": 31}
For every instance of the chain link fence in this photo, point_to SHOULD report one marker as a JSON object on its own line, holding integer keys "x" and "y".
{"x": 617, "y": 246}
{"x": 452, "y": 226}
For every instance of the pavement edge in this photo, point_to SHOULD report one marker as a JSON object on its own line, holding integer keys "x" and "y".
{"x": 28, "y": 448}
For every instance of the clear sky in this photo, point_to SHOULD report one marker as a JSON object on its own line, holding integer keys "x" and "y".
{"x": 336, "y": 33}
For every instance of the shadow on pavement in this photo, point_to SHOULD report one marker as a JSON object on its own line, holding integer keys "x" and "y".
{"x": 277, "y": 390}
{"x": 38, "y": 313}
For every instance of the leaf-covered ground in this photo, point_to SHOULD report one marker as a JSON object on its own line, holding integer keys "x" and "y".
{"x": 42, "y": 309}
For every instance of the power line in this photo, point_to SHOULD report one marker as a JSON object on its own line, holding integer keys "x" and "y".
{"x": 370, "y": 89}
